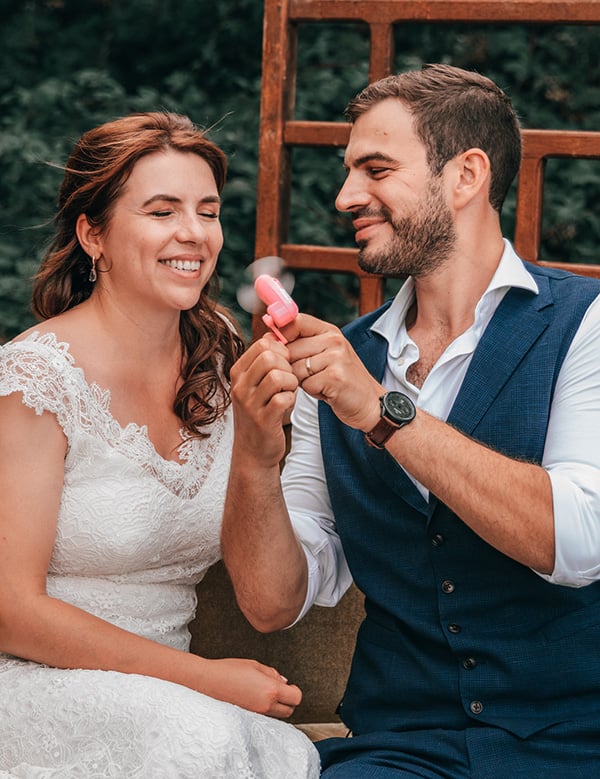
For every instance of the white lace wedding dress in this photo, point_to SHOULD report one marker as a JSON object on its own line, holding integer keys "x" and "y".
{"x": 135, "y": 535}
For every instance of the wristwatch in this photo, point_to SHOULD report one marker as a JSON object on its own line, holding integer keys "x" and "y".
{"x": 397, "y": 410}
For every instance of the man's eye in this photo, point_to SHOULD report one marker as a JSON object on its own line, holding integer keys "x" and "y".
{"x": 377, "y": 172}
{"x": 161, "y": 213}
{"x": 208, "y": 214}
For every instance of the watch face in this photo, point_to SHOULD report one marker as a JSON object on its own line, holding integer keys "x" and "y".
{"x": 398, "y": 407}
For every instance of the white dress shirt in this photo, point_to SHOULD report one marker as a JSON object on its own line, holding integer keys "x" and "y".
{"x": 571, "y": 454}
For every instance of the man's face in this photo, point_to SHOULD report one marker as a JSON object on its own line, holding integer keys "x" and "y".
{"x": 402, "y": 221}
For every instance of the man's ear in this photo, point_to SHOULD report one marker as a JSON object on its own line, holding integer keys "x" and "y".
{"x": 88, "y": 237}
{"x": 473, "y": 176}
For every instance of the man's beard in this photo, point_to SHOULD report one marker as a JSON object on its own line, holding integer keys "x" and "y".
{"x": 422, "y": 241}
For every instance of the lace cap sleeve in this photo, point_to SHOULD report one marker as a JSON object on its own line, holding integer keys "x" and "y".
{"x": 42, "y": 370}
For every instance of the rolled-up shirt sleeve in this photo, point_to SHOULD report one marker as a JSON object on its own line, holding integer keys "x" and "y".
{"x": 309, "y": 507}
{"x": 572, "y": 458}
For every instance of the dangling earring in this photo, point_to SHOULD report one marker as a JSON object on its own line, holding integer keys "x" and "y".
{"x": 93, "y": 275}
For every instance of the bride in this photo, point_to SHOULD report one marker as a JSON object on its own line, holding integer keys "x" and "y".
{"x": 115, "y": 443}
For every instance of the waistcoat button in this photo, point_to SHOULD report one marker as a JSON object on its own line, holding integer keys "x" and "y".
{"x": 454, "y": 628}
{"x": 476, "y": 707}
{"x": 469, "y": 663}
{"x": 447, "y": 586}
{"x": 437, "y": 539}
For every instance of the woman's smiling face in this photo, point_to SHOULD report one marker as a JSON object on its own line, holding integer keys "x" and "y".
{"x": 164, "y": 235}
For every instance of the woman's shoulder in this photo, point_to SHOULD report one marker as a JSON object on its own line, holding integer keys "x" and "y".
{"x": 39, "y": 344}
{"x": 52, "y": 339}
{"x": 38, "y": 364}
{"x": 38, "y": 367}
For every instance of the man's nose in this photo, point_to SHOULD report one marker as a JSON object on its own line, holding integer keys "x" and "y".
{"x": 351, "y": 195}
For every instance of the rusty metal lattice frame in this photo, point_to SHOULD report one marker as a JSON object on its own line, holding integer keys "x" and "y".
{"x": 280, "y": 132}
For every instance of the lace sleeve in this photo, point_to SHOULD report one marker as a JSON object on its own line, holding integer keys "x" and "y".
{"x": 42, "y": 370}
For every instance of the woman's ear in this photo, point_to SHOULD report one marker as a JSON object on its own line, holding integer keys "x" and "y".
{"x": 473, "y": 179}
{"x": 88, "y": 237}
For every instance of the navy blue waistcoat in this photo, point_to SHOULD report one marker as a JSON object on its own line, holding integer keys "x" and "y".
{"x": 456, "y": 632}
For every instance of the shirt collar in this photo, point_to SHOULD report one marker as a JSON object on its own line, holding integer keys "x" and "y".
{"x": 511, "y": 272}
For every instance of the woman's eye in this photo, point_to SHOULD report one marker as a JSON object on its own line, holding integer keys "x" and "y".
{"x": 161, "y": 213}
{"x": 208, "y": 214}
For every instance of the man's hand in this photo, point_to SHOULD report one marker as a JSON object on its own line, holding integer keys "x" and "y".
{"x": 328, "y": 368}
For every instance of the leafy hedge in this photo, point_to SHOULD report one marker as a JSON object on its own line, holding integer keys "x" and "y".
{"x": 66, "y": 66}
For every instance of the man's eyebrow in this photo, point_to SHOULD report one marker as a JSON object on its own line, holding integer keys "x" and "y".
{"x": 375, "y": 156}
{"x": 172, "y": 199}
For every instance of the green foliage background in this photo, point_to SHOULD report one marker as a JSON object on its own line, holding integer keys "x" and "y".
{"x": 66, "y": 66}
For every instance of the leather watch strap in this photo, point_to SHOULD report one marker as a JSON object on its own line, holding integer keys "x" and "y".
{"x": 382, "y": 431}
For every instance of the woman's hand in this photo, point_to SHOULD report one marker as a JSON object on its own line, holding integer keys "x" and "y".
{"x": 263, "y": 390}
{"x": 251, "y": 685}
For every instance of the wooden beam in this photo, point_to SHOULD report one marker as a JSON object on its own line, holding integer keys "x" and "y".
{"x": 502, "y": 11}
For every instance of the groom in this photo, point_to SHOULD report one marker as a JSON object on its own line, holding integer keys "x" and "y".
{"x": 443, "y": 456}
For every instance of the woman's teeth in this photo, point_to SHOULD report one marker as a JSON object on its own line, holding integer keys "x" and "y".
{"x": 182, "y": 264}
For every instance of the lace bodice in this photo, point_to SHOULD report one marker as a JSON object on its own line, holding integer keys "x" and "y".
{"x": 135, "y": 532}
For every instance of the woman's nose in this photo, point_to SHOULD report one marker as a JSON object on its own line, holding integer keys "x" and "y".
{"x": 191, "y": 228}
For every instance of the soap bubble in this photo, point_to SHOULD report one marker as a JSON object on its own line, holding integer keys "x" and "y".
{"x": 274, "y": 266}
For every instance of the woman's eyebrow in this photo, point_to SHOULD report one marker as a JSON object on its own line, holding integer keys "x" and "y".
{"x": 173, "y": 199}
